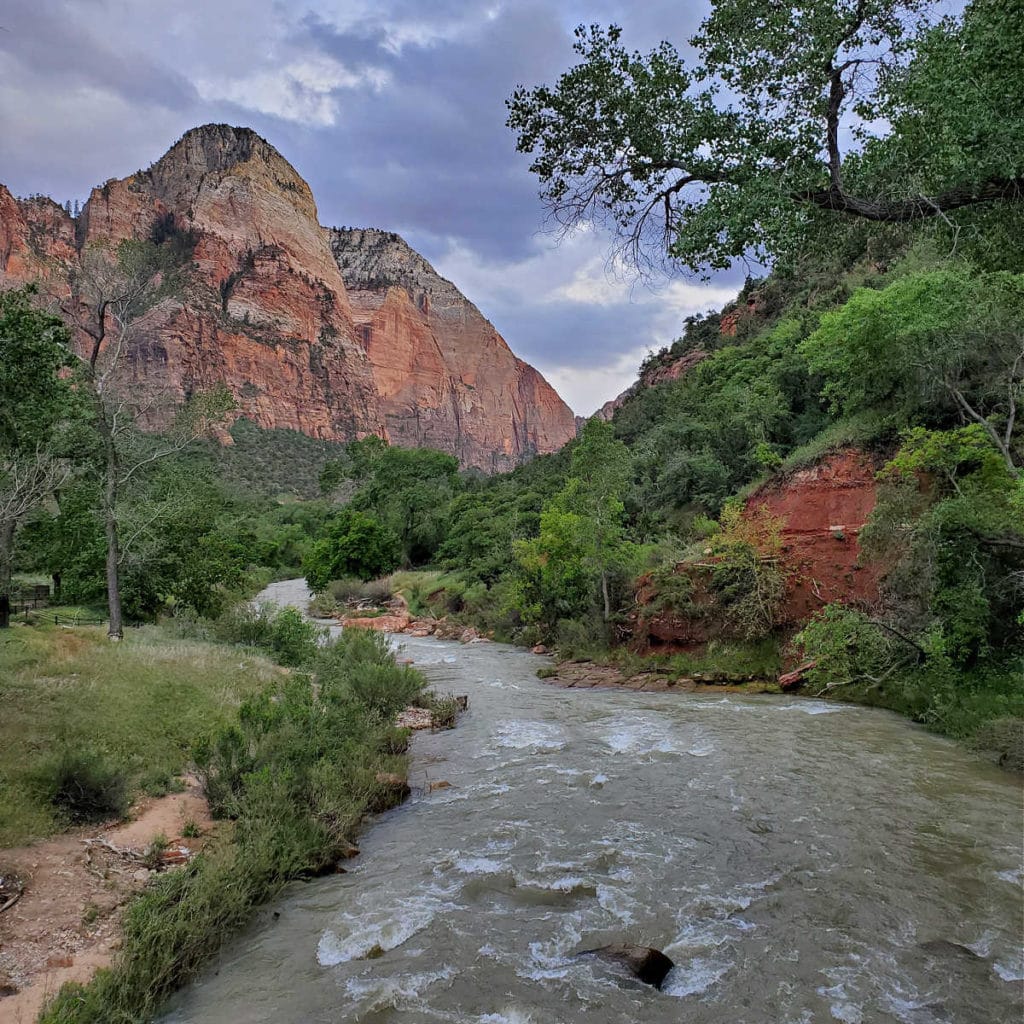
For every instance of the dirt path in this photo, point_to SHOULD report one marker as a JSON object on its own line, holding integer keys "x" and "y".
{"x": 65, "y": 925}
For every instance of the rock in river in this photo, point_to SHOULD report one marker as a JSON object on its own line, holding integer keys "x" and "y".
{"x": 647, "y": 964}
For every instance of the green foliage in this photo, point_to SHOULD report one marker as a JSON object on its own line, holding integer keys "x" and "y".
{"x": 580, "y": 554}
{"x": 733, "y": 417}
{"x": 282, "y": 632}
{"x": 944, "y": 341}
{"x": 647, "y": 144}
{"x": 957, "y": 543}
{"x": 296, "y": 772}
{"x": 749, "y": 576}
{"x": 82, "y": 785}
{"x": 34, "y": 398}
{"x": 353, "y": 544}
{"x": 131, "y": 709}
{"x": 408, "y": 490}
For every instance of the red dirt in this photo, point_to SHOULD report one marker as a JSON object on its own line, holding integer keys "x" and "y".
{"x": 824, "y": 509}
{"x": 66, "y": 924}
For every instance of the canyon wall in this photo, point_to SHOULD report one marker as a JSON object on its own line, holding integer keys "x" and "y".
{"x": 268, "y": 311}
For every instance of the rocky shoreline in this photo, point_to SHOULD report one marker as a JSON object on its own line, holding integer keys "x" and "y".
{"x": 570, "y": 674}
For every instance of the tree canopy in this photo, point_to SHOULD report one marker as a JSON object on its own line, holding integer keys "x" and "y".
{"x": 786, "y": 116}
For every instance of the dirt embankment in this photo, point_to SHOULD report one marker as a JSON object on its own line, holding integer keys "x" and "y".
{"x": 65, "y": 924}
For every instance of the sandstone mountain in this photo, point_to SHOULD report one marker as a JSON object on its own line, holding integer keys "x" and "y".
{"x": 337, "y": 334}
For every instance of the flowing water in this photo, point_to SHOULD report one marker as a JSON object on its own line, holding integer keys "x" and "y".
{"x": 799, "y": 862}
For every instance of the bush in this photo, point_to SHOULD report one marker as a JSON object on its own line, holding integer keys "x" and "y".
{"x": 84, "y": 786}
{"x": 292, "y": 639}
{"x": 360, "y": 666}
{"x": 575, "y": 638}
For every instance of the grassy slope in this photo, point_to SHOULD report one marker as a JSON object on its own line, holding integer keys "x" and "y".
{"x": 140, "y": 704}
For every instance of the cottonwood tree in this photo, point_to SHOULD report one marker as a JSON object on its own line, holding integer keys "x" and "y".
{"x": 36, "y": 403}
{"x": 568, "y": 567}
{"x": 117, "y": 294}
{"x": 788, "y": 116}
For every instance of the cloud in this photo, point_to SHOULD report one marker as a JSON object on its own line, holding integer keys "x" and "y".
{"x": 304, "y": 91}
{"x": 394, "y": 112}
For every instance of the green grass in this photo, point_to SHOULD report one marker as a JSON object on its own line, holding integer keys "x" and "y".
{"x": 295, "y": 771}
{"x": 137, "y": 705}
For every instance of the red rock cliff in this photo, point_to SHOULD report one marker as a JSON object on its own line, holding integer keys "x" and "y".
{"x": 822, "y": 510}
{"x": 445, "y": 377}
{"x": 269, "y": 315}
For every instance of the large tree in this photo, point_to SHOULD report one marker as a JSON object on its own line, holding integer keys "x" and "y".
{"x": 787, "y": 116}
{"x": 36, "y": 402}
{"x": 116, "y": 294}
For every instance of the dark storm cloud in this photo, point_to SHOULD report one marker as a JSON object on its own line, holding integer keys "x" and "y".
{"x": 42, "y": 39}
{"x": 431, "y": 152}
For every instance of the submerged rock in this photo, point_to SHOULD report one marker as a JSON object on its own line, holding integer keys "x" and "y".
{"x": 643, "y": 962}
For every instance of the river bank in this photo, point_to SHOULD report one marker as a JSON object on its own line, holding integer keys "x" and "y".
{"x": 65, "y": 924}
{"x": 290, "y": 770}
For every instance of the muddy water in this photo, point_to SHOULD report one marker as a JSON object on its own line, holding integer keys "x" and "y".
{"x": 799, "y": 861}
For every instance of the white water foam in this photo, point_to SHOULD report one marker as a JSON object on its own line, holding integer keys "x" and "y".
{"x": 394, "y": 992}
{"x": 812, "y": 707}
{"x": 1011, "y": 968}
{"x": 636, "y": 734}
{"x": 510, "y": 1015}
{"x": 479, "y": 865}
{"x": 1015, "y": 876}
{"x": 694, "y": 978}
{"x": 355, "y": 935}
{"x": 524, "y": 735}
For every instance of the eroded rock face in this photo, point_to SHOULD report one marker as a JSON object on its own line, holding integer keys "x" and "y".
{"x": 268, "y": 314}
{"x": 822, "y": 509}
{"x": 445, "y": 376}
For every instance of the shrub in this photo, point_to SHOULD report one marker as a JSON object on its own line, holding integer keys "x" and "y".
{"x": 292, "y": 639}
{"x": 83, "y": 785}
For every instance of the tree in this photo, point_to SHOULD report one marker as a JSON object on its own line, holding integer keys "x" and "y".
{"x": 581, "y": 542}
{"x": 353, "y": 544}
{"x": 114, "y": 296}
{"x": 774, "y": 125}
{"x": 943, "y": 338}
{"x": 409, "y": 490}
{"x": 35, "y": 403}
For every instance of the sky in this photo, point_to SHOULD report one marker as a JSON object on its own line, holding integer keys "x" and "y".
{"x": 393, "y": 111}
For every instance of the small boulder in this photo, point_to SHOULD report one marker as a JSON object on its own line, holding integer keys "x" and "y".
{"x": 539, "y": 649}
{"x": 643, "y": 962}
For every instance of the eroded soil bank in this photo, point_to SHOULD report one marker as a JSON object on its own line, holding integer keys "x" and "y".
{"x": 65, "y": 924}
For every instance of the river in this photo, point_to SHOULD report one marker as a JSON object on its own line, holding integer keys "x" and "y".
{"x": 800, "y": 862}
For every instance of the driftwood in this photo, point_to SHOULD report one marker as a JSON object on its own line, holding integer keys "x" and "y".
{"x": 11, "y": 889}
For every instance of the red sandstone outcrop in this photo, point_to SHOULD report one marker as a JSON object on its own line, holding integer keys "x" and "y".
{"x": 822, "y": 509}
{"x": 445, "y": 377}
{"x": 267, "y": 311}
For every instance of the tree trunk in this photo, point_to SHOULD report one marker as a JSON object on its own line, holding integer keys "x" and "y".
{"x": 6, "y": 572}
{"x": 604, "y": 594}
{"x": 116, "y": 628}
